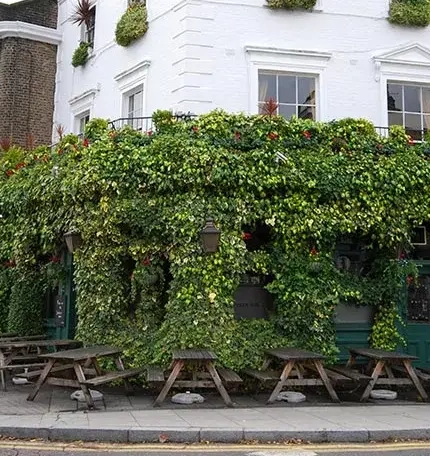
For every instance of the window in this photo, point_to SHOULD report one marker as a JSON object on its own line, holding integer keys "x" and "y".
{"x": 89, "y": 28}
{"x": 295, "y": 94}
{"x": 409, "y": 105}
{"x": 82, "y": 121}
{"x": 134, "y": 107}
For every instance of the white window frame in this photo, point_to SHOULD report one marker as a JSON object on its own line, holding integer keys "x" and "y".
{"x": 294, "y": 62}
{"x": 398, "y": 66}
{"x": 78, "y": 120}
{"x": 140, "y": 88}
{"x": 130, "y": 81}
{"x": 80, "y": 105}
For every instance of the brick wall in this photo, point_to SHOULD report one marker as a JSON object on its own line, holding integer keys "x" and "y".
{"x": 27, "y": 84}
{"x": 27, "y": 76}
{"x": 39, "y": 12}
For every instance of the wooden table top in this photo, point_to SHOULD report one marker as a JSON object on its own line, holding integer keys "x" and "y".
{"x": 194, "y": 355}
{"x": 375, "y": 353}
{"x": 293, "y": 354}
{"x": 83, "y": 353}
{"x": 4, "y": 338}
{"x": 10, "y": 344}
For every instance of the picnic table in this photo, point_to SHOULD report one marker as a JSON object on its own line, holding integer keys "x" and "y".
{"x": 12, "y": 338}
{"x": 385, "y": 362}
{"x": 194, "y": 358}
{"x": 80, "y": 363}
{"x": 297, "y": 362}
{"x": 25, "y": 354}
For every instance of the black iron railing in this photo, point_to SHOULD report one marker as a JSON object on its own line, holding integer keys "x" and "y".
{"x": 145, "y": 124}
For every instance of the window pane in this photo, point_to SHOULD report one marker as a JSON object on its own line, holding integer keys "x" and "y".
{"x": 426, "y": 100}
{"x": 287, "y": 111}
{"x": 287, "y": 89}
{"x": 426, "y": 123}
{"x": 413, "y": 125}
{"x": 266, "y": 87}
{"x": 395, "y": 118}
{"x": 306, "y": 90}
{"x": 130, "y": 105}
{"x": 412, "y": 99}
{"x": 306, "y": 112}
{"x": 394, "y": 92}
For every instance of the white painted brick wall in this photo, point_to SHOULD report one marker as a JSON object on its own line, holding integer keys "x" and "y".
{"x": 198, "y": 59}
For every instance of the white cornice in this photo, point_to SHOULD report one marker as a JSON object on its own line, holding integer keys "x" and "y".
{"x": 91, "y": 93}
{"x": 288, "y": 52}
{"x": 136, "y": 68}
{"x": 18, "y": 29}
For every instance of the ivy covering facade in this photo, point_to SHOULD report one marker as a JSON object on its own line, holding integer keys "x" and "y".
{"x": 292, "y": 4}
{"x": 140, "y": 201}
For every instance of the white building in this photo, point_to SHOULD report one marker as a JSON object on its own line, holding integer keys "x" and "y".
{"x": 333, "y": 62}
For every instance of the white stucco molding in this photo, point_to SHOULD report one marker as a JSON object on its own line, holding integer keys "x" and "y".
{"x": 406, "y": 63}
{"x": 299, "y": 61}
{"x": 133, "y": 76}
{"x": 83, "y": 102}
{"x": 18, "y": 29}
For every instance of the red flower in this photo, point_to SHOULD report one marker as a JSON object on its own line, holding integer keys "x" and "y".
{"x": 410, "y": 140}
{"x": 55, "y": 259}
{"x": 112, "y": 134}
{"x": 20, "y": 165}
{"x": 35, "y": 157}
{"x": 10, "y": 264}
{"x": 60, "y": 151}
{"x": 410, "y": 280}
{"x": 246, "y": 236}
{"x": 85, "y": 142}
{"x": 402, "y": 256}
{"x": 307, "y": 134}
{"x": 237, "y": 136}
{"x": 195, "y": 129}
{"x": 272, "y": 136}
{"x": 149, "y": 132}
{"x": 146, "y": 261}
{"x": 9, "y": 172}
{"x": 314, "y": 251}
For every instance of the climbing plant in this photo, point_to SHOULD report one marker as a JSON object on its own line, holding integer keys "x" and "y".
{"x": 132, "y": 25}
{"x": 139, "y": 201}
{"x": 292, "y": 4}
{"x": 410, "y": 13}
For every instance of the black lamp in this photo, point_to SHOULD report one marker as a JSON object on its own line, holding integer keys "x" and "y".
{"x": 210, "y": 236}
{"x": 73, "y": 240}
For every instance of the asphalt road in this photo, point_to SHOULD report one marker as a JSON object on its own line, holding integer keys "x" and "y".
{"x": 39, "y": 449}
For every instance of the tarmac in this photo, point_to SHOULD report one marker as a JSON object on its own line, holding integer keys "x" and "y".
{"x": 133, "y": 419}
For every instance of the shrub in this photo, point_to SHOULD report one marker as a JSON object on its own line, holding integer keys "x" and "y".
{"x": 410, "y": 13}
{"x": 80, "y": 56}
{"x": 292, "y": 4}
{"x": 132, "y": 25}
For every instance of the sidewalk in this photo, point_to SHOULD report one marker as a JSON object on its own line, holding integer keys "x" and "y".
{"x": 54, "y": 416}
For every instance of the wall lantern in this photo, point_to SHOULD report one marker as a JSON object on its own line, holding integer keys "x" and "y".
{"x": 73, "y": 241}
{"x": 210, "y": 236}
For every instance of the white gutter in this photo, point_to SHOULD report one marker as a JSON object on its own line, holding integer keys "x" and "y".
{"x": 18, "y": 29}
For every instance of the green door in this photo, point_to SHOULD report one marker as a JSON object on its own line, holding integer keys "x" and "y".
{"x": 60, "y": 314}
{"x": 416, "y": 313}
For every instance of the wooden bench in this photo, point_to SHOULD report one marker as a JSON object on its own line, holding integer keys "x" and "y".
{"x": 352, "y": 374}
{"x": 21, "y": 366}
{"x": 112, "y": 376}
{"x": 264, "y": 376}
{"x": 155, "y": 375}
{"x": 421, "y": 373}
{"x": 37, "y": 373}
{"x": 228, "y": 375}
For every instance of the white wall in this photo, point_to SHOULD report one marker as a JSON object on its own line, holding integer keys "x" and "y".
{"x": 201, "y": 59}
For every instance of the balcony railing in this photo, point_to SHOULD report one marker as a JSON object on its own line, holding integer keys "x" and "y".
{"x": 145, "y": 124}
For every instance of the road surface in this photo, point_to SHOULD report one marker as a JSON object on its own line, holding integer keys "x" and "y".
{"x": 15, "y": 448}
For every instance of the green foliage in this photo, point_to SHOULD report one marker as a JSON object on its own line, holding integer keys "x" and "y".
{"x": 80, "y": 56}
{"x": 6, "y": 281}
{"x": 26, "y": 302}
{"x": 132, "y": 25}
{"x": 292, "y": 4}
{"x": 140, "y": 200}
{"x": 410, "y": 13}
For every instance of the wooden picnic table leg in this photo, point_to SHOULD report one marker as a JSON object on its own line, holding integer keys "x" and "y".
{"x": 416, "y": 381}
{"x": 218, "y": 383}
{"x": 326, "y": 380}
{"x": 120, "y": 366}
{"x": 177, "y": 367}
{"x": 267, "y": 362}
{"x": 41, "y": 379}
{"x": 284, "y": 376}
{"x": 375, "y": 375}
{"x": 79, "y": 371}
